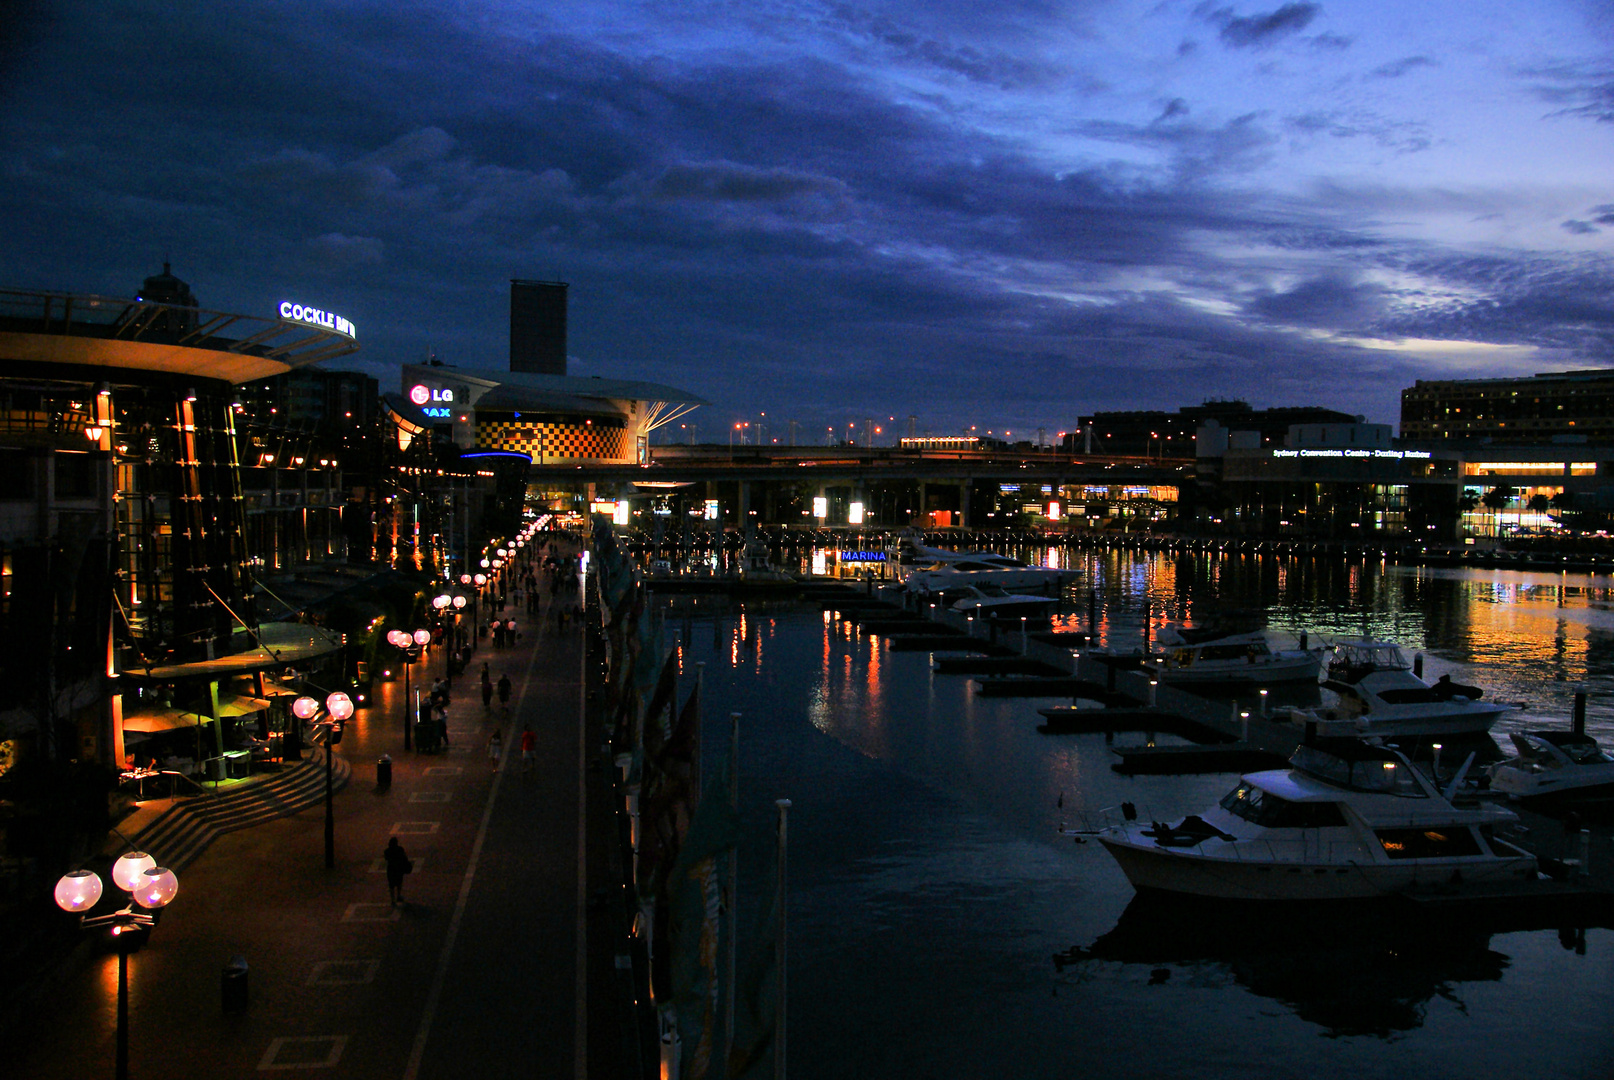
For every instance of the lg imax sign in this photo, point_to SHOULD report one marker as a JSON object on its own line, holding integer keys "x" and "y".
{"x": 315, "y": 317}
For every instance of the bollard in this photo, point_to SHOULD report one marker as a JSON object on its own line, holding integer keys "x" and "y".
{"x": 1109, "y": 677}
{"x": 1417, "y": 665}
{"x": 1579, "y": 723}
{"x": 1154, "y": 685}
{"x": 383, "y": 773}
{"x": 1263, "y": 712}
{"x": 1244, "y": 727}
{"x": 1585, "y": 853}
{"x": 1303, "y": 647}
{"x": 1023, "y": 645}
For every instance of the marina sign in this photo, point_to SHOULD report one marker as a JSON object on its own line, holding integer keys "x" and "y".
{"x": 315, "y": 317}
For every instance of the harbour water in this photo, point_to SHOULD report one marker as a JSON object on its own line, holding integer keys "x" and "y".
{"x": 941, "y": 925}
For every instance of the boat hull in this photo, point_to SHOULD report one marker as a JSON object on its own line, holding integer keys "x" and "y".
{"x": 1188, "y": 873}
{"x": 1280, "y": 670}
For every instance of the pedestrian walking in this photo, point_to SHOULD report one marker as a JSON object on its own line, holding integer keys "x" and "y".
{"x": 487, "y": 693}
{"x": 398, "y": 864}
{"x": 495, "y": 748}
{"x": 504, "y": 692}
{"x": 529, "y": 750}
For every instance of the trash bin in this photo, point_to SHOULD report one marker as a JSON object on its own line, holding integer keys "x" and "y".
{"x": 233, "y": 985}
{"x": 383, "y": 772}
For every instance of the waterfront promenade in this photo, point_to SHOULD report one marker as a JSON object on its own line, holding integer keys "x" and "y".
{"x": 490, "y": 968}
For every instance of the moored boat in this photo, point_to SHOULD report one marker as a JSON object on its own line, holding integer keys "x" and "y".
{"x": 1346, "y": 821}
{"x": 1555, "y": 766}
{"x": 1378, "y": 695}
{"x": 1190, "y": 658}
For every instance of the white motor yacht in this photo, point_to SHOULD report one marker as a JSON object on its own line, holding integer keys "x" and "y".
{"x": 1346, "y": 821}
{"x": 985, "y": 568}
{"x": 992, "y": 602}
{"x": 1555, "y": 766}
{"x": 1191, "y": 658}
{"x": 1378, "y": 695}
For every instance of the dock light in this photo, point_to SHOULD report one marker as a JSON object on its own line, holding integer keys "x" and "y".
{"x": 190, "y": 395}
{"x": 459, "y": 602}
{"x": 127, "y": 870}
{"x": 1263, "y": 704}
{"x": 1244, "y": 726}
{"x": 304, "y": 708}
{"x": 465, "y": 579}
{"x": 423, "y": 637}
{"x": 94, "y": 432}
{"x": 503, "y": 553}
{"x": 498, "y": 564}
{"x": 440, "y": 601}
{"x": 339, "y": 705}
{"x": 1436, "y": 748}
{"x": 398, "y": 639}
{"x": 481, "y": 580}
{"x": 486, "y": 564}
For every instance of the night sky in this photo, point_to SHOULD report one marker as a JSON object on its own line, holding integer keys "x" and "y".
{"x": 1001, "y": 214}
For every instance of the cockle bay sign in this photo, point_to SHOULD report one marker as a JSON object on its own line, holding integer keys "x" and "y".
{"x": 315, "y": 317}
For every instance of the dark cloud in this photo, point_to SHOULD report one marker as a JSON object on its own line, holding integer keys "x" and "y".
{"x": 1397, "y": 68}
{"x": 785, "y": 231}
{"x": 1580, "y": 90}
{"x": 1579, "y": 228}
{"x": 1331, "y": 42}
{"x": 1252, "y": 31}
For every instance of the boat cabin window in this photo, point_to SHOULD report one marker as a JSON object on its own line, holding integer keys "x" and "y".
{"x": 1584, "y": 753}
{"x": 1270, "y": 812}
{"x": 1232, "y": 652}
{"x": 1445, "y": 842}
{"x": 1382, "y": 775}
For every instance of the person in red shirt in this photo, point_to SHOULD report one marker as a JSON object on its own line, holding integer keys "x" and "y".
{"x": 529, "y": 750}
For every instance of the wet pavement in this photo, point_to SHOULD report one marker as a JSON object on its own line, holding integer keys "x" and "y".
{"x": 495, "y": 965}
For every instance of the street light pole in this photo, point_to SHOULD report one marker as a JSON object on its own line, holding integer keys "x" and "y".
{"x": 339, "y": 707}
{"x": 149, "y": 886}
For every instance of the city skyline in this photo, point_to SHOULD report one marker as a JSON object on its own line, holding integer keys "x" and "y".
{"x": 1003, "y": 217}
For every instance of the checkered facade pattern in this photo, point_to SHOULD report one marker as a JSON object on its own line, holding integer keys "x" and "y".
{"x": 558, "y": 441}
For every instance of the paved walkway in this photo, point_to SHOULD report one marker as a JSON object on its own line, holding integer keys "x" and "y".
{"x": 477, "y": 974}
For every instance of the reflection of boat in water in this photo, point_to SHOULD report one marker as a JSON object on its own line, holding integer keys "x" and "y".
{"x": 756, "y": 567}
{"x": 1346, "y": 821}
{"x": 1380, "y": 696}
{"x": 1362, "y": 971}
{"x": 1555, "y": 766}
{"x": 1190, "y": 658}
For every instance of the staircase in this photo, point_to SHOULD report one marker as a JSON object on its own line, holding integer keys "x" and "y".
{"x": 184, "y": 830}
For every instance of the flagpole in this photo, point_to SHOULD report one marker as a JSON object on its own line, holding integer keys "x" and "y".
{"x": 780, "y": 952}
{"x": 732, "y": 889}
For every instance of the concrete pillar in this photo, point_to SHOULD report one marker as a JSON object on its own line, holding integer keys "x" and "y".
{"x": 964, "y": 503}
{"x": 745, "y": 504}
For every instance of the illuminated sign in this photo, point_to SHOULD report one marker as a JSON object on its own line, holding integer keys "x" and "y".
{"x": 854, "y": 516}
{"x": 1398, "y": 455}
{"x": 1053, "y": 511}
{"x": 439, "y": 412}
{"x": 712, "y": 512}
{"x": 420, "y": 395}
{"x": 620, "y": 517}
{"x": 861, "y": 556}
{"x": 820, "y": 507}
{"x": 316, "y": 317}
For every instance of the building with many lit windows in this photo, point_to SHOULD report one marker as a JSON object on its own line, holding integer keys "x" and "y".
{"x": 1540, "y": 409}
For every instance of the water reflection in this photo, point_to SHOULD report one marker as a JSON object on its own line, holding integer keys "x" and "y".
{"x": 1366, "y": 972}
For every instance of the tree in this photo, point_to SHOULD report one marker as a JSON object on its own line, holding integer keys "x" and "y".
{"x": 1496, "y": 500}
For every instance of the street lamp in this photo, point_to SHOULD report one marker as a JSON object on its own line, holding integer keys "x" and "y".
{"x": 340, "y": 708}
{"x": 410, "y": 645}
{"x": 151, "y": 888}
